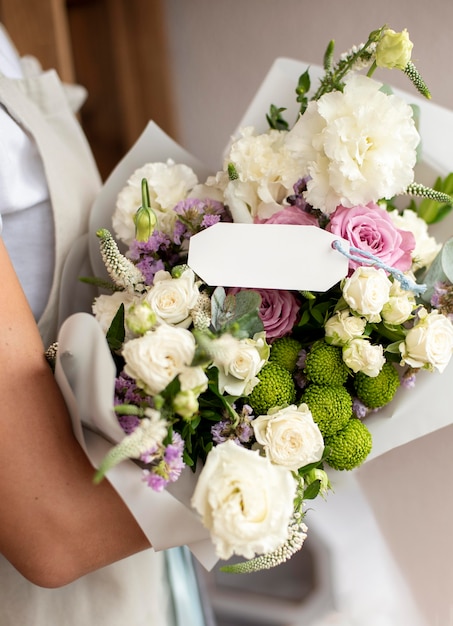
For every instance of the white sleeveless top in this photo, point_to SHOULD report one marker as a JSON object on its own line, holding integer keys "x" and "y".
{"x": 38, "y": 234}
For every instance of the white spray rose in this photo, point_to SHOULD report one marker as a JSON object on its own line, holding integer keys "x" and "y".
{"x": 357, "y": 146}
{"x": 168, "y": 184}
{"x": 400, "y": 305}
{"x": 238, "y": 362}
{"x": 426, "y": 247}
{"x": 154, "y": 359}
{"x": 362, "y": 356}
{"x": 366, "y": 292}
{"x": 106, "y": 306}
{"x": 171, "y": 299}
{"x": 290, "y": 436}
{"x": 429, "y": 344}
{"x": 245, "y": 501}
{"x": 343, "y": 326}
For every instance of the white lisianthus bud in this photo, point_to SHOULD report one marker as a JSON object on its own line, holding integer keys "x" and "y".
{"x": 366, "y": 292}
{"x": 140, "y": 318}
{"x": 185, "y": 404}
{"x": 429, "y": 344}
{"x": 343, "y": 326}
{"x": 290, "y": 436}
{"x": 394, "y": 50}
{"x": 362, "y": 356}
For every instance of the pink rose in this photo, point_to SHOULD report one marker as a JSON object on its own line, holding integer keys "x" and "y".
{"x": 278, "y": 311}
{"x": 291, "y": 215}
{"x": 370, "y": 228}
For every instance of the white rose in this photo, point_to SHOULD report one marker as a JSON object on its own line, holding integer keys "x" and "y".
{"x": 245, "y": 501}
{"x": 168, "y": 184}
{"x": 357, "y": 145}
{"x": 342, "y": 327}
{"x": 362, "y": 356}
{"x": 366, "y": 292}
{"x": 429, "y": 344}
{"x": 154, "y": 359}
{"x": 290, "y": 437}
{"x": 171, "y": 299}
{"x": 193, "y": 379}
{"x": 238, "y": 362}
{"x": 105, "y": 307}
{"x": 426, "y": 247}
{"x": 400, "y": 305}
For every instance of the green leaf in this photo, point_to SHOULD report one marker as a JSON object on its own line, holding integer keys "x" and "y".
{"x": 312, "y": 490}
{"x": 275, "y": 119}
{"x": 441, "y": 269}
{"x": 116, "y": 332}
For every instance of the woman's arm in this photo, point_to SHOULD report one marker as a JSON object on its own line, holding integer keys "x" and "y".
{"x": 55, "y": 525}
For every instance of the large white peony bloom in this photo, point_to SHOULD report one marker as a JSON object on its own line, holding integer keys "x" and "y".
{"x": 357, "y": 146}
{"x": 266, "y": 173}
{"x": 168, "y": 183}
{"x": 245, "y": 501}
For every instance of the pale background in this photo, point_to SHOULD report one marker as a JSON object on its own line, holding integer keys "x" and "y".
{"x": 219, "y": 52}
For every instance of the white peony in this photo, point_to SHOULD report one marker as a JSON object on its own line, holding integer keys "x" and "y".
{"x": 357, "y": 146}
{"x": 429, "y": 344}
{"x": 290, "y": 437}
{"x": 238, "y": 362}
{"x": 400, "y": 305}
{"x": 154, "y": 359}
{"x": 106, "y": 306}
{"x": 426, "y": 247}
{"x": 245, "y": 501}
{"x": 343, "y": 326}
{"x": 171, "y": 299}
{"x": 366, "y": 292}
{"x": 266, "y": 173}
{"x": 168, "y": 183}
{"x": 362, "y": 356}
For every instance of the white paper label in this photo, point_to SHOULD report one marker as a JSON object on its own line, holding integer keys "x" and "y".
{"x": 267, "y": 256}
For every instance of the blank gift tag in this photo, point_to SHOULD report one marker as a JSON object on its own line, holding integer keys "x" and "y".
{"x": 267, "y": 256}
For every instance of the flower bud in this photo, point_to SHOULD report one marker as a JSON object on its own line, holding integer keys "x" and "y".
{"x": 140, "y": 318}
{"x": 394, "y": 50}
{"x": 145, "y": 219}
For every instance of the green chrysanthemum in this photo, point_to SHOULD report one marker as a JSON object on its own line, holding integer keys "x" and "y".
{"x": 324, "y": 365}
{"x": 330, "y": 405}
{"x": 276, "y": 388}
{"x": 285, "y": 352}
{"x": 379, "y": 390}
{"x": 349, "y": 447}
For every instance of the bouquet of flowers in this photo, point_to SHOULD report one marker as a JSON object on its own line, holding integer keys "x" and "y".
{"x": 257, "y": 386}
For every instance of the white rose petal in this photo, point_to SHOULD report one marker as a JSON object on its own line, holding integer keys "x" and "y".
{"x": 362, "y": 356}
{"x": 105, "y": 307}
{"x": 357, "y": 146}
{"x": 171, "y": 299}
{"x": 154, "y": 359}
{"x": 193, "y": 379}
{"x": 290, "y": 437}
{"x": 342, "y": 327}
{"x": 238, "y": 362}
{"x": 245, "y": 501}
{"x": 366, "y": 292}
{"x": 426, "y": 247}
{"x": 429, "y": 344}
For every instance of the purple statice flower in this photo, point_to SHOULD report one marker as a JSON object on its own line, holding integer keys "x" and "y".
{"x": 128, "y": 423}
{"x": 197, "y": 214}
{"x": 166, "y": 465}
{"x": 301, "y": 359}
{"x": 149, "y": 266}
{"x": 409, "y": 378}
{"x": 240, "y": 434}
{"x": 210, "y": 220}
{"x": 442, "y": 298}
{"x": 359, "y": 409}
{"x": 127, "y": 392}
{"x": 219, "y": 431}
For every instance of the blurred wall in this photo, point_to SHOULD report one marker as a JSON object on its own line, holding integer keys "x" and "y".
{"x": 220, "y": 51}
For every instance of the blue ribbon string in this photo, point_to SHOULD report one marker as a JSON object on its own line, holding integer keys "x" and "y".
{"x": 366, "y": 258}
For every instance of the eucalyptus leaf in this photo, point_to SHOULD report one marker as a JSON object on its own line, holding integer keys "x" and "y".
{"x": 441, "y": 269}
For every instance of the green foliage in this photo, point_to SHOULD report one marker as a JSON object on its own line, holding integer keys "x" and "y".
{"x": 116, "y": 332}
{"x": 237, "y": 314}
{"x": 275, "y": 119}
